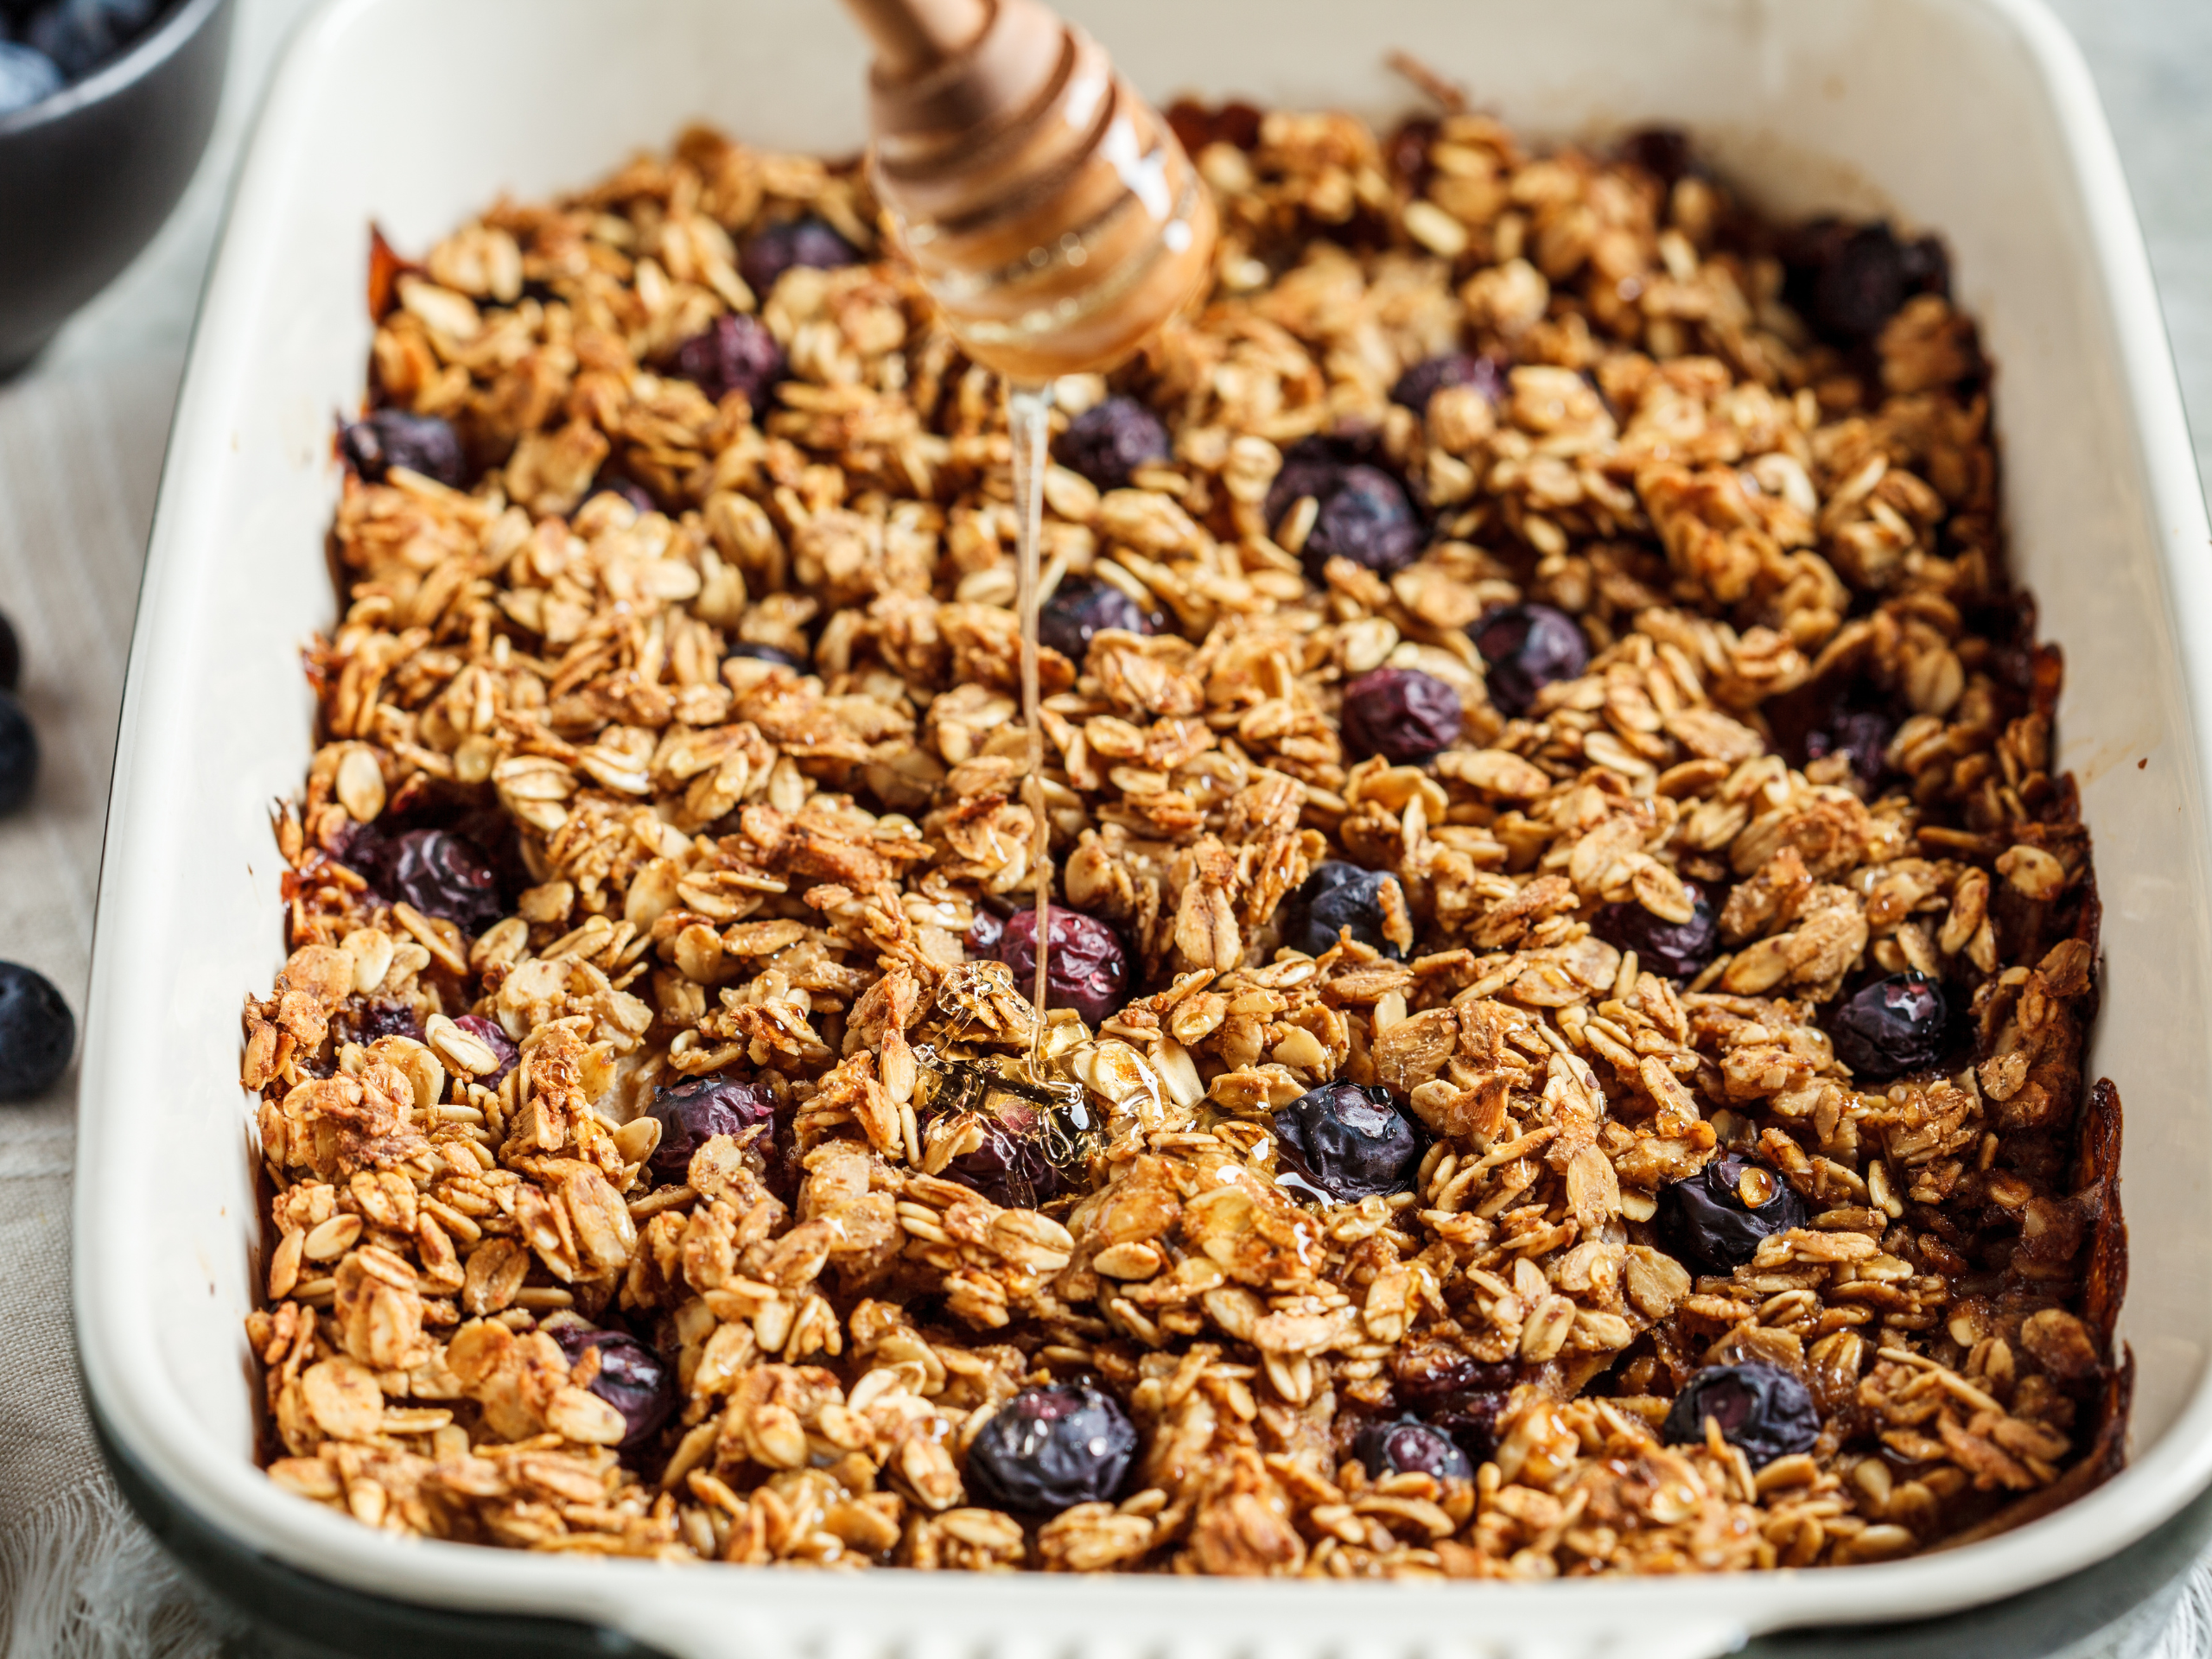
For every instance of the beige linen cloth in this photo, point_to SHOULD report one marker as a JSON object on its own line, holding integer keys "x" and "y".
{"x": 81, "y": 437}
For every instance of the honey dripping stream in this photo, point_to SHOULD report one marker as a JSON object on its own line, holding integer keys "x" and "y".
{"x": 1028, "y": 420}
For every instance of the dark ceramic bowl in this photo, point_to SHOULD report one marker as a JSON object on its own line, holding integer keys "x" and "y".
{"x": 87, "y": 176}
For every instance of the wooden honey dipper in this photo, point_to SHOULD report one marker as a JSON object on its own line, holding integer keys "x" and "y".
{"x": 1046, "y": 206}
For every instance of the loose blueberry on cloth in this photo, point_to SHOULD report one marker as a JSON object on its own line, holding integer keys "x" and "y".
{"x": 37, "y": 1032}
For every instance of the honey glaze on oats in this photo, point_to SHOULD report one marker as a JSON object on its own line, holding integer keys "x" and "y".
{"x": 1645, "y": 1133}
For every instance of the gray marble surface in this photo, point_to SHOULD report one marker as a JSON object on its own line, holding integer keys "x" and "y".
{"x": 80, "y": 444}
{"x": 2152, "y": 60}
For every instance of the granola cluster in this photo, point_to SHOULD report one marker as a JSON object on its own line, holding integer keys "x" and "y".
{"x": 710, "y": 705}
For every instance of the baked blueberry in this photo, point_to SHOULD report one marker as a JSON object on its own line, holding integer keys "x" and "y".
{"x": 735, "y": 352}
{"x": 1351, "y": 1143}
{"x": 1086, "y": 964}
{"x": 440, "y": 873}
{"x": 1083, "y": 606}
{"x": 631, "y": 491}
{"x": 1401, "y": 713}
{"x": 365, "y": 1022}
{"x": 699, "y": 1107}
{"x": 1678, "y": 950}
{"x": 1049, "y": 1449}
{"x": 1455, "y": 1394}
{"x": 1860, "y": 731}
{"x": 774, "y": 250}
{"x": 1892, "y": 1027}
{"x": 630, "y": 1377}
{"x": 37, "y": 1032}
{"x": 1663, "y": 152}
{"x": 1761, "y": 1407}
{"x": 28, "y": 76}
{"x": 1849, "y": 280}
{"x": 1410, "y": 1446}
{"x": 18, "y": 755}
{"x": 1111, "y": 440}
{"x": 1430, "y": 376}
{"x": 488, "y": 1032}
{"x": 1363, "y": 513}
{"x": 1526, "y": 648}
{"x": 1714, "y": 1221}
{"x": 392, "y": 437}
{"x": 1337, "y": 896}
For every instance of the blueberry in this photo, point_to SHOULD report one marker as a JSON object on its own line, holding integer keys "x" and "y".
{"x": 365, "y": 1022}
{"x": 1856, "y": 728}
{"x": 1678, "y": 950}
{"x": 18, "y": 755}
{"x": 760, "y": 653}
{"x": 1401, "y": 713}
{"x": 1086, "y": 964}
{"x": 810, "y": 241}
{"x": 697, "y": 1109}
{"x": 1411, "y": 1446}
{"x": 37, "y": 1032}
{"x": 735, "y": 352}
{"x": 1430, "y": 376}
{"x": 1849, "y": 280}
{"x": 1663, "y": 152}
{"x": 635, "y": 493}
{"x": 1035, "y": 1141}
{"x": 1455, "y": 1394}
{"x": 1082, "y": 606}
{"x": 11, "y": 655}
{"x": 1892, "y": 1027}
{"x": 1049, "y": 1449}
{"x": 1338, "y": 895}
{"x": 1714, "y": 1220}
{"x": 1013, "y": 1167}
{"x": 1351, "y": 1143}
{"x": 1760, "y": 1408}
{"x": 630, "y": 1377}
{"x": 392, "y": 437}
{"x": 1365, "y": 516}
{"x": 28, "y": 76}
{"x": 1527, "y": 647}
{"x": 1109, "y": 441}
{"x": 441, "y": 875}
{"x": 488, "y": 1032}
{"x": 80, "y": 35}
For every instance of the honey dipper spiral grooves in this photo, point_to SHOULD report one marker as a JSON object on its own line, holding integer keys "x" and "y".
{"x": 1047, "y": 206}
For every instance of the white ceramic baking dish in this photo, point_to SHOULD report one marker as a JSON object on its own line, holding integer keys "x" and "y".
{"x": 1974, "y": 116}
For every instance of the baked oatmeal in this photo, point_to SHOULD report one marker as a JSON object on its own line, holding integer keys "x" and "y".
{"x": 1575, "y": 955}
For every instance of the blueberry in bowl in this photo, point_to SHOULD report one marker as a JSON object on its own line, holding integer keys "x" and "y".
{"x": 89, "y": 172}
